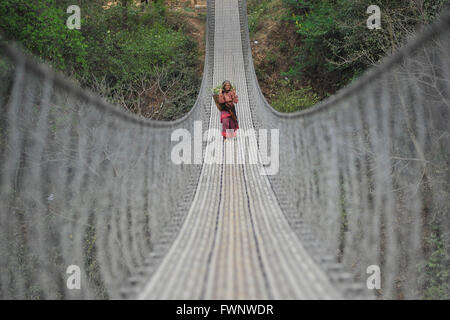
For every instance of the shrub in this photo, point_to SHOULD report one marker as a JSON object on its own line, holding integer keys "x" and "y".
{"x": 294, "y": 100}
{"x": 40, "y": 27}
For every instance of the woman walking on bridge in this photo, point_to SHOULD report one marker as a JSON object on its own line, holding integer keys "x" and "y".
{"x": 228, "y": 116}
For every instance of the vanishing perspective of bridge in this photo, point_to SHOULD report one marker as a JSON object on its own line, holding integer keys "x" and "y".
{"x": 362, "y": 184}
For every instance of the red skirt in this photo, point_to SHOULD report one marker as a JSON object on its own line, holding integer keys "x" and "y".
{"x": 228, "y": 124}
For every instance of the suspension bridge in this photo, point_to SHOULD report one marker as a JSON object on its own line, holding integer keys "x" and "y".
{"x": 362, "y": 181}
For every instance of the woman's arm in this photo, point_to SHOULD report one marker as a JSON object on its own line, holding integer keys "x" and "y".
{"x": 235, "y": 97}
{"x": 221, "y": 98}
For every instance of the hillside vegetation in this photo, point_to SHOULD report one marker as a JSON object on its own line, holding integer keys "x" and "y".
{"x": 306, "y": 50}
{"x": 135, "y": 56}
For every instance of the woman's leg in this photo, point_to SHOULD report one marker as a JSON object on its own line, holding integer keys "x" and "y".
{"x": 226, "y": 126}
{"x": 234, "y": 126}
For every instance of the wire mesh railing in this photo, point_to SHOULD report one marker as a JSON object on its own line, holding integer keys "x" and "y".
{"x": 83, "y": 183}
{"x": 368, "y": 169}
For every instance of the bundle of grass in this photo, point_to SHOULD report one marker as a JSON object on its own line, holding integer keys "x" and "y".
{"x": 216, "y": 90}
{"x": 215, "y": 93}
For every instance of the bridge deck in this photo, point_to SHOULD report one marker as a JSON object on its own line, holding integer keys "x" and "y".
{"x": 235, "y": 242}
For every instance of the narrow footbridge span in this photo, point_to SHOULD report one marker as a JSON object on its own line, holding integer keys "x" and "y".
{"x": 355, "y": 185}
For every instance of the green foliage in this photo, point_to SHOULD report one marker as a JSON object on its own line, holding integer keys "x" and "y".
{"x": 255, "y": 17}
{"x": 216, "y": 90}
{"x": 92, "y": 267}
{"x": 126, "y": 59}
{"x": 259, "y": 11}
{"x": 119, "y": 42}
{"x": 129, "y": 53}
{"x": 288, "y": 100}
{"x": 435, "y": 271}
{"x": 181, "y": 67}
{"x": 40, "y": 26}
{"x": 336, "y": 45}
